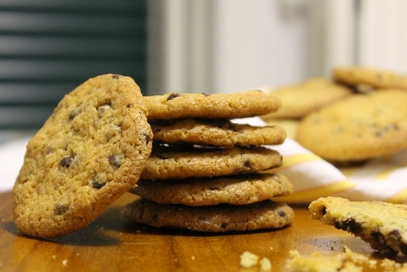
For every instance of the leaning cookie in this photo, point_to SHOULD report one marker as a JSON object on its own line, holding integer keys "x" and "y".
{"x": 216, "y": 132}
{"x": 236, "y": 190}
{"x": 368, "y": 78}
{"x": 90, "y": 151}
{"x": 358, "y": 127}
{"x": 197, "y": 105}
{"x": 383, "y": 225}
{"x": 215, "y": 219}
{"x": 173, "y": 162}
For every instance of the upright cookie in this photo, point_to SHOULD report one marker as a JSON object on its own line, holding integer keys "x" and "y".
{"x": 186, "y": 162}
{"x": 383, "y": 225}
{"x": 216, "y": 132}
{"x": 236, "y": 190}
{"x": 196, "y": 105}
{"x": 90, "y": 151}
{"x": 365, "y": 78}
{"x": 300, "y": 99}
{"x": 357, "y": 128}
{"x": 219, "y": 218}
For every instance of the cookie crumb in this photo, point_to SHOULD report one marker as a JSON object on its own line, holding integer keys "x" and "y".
{"x": 248, "y": 259}
{"x": 345, "y": 261}
{"x": 390, "y": 265}
{"x": 265, "y": 264}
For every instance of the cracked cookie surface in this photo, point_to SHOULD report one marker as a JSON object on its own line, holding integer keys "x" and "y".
{"x": 90, "y": 151}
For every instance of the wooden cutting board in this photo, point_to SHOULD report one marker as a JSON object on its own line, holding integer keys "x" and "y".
{"x": 112, "y": 243}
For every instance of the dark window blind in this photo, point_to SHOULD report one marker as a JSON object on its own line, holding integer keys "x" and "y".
{"x": 48, "y": 47}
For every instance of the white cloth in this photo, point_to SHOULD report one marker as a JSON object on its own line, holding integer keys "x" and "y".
{"x": 11, "y": 160}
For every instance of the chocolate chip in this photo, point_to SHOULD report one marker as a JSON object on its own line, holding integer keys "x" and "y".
{"x": 323, "y": 211}
{"x": 247, "y": 164}
{"x": 395, "y": 235}
{"x": 73, "y": 114}
{"x": 116, "y": 160}
{"x": 60, "y": 209}
{"x": 172, "y": 96}
{"x": 384, "y": 130}
{"x": 281, "y": 213}
{"x": 147, "y": 137}
{"x": 337, "y": 225}
{"x": 116, "y": 76}
{"x": 66, "y": 162}
{"x": 99, "y": 180}
{"x": 377, "y": 236}
{"x": 351, "y": 225}
{"x": 97, "y": 184}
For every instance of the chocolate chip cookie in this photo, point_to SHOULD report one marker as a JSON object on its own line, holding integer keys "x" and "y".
{"x": 236, "y": 190}
{"x": 174, "y": 162}
{"x": 196, "y": 105}
{"x": 366, "y": 79}
{"x": 216, "y": 132}
{"x": 90, "y": 151}
{"x": 358, "y": 127}
{"x": 214, "y": 219}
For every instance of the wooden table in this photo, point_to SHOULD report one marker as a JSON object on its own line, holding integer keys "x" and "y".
{"x": 111, "y": 243}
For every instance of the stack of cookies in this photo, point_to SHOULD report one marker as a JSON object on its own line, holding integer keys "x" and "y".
{"x": 206, "y": 173}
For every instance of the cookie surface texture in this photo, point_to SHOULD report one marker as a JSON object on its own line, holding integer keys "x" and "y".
{"x": 383, "y": 225}
{"x": 219, "y": 218}
{"x": 90, "y": 151}
{"x": 178, "y": 163}
{"x": 216, "y": 132}
{"x": 236, "y": 190}
{"x": 302, "y": 98}
{"x": 196, "y": 105}
{"x": 369, "y": 77}
{"x": 358, "y": 127}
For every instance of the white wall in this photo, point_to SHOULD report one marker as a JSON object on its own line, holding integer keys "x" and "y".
{"x": 382, "y": 34}
{"x": 225, "y": 45}
{"x": 257, "y": 43}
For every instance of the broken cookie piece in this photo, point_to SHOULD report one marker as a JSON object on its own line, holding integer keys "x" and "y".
{"x": 383, "y": 225}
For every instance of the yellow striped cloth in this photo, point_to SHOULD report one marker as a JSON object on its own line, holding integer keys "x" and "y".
{"x": 383, "y": 179}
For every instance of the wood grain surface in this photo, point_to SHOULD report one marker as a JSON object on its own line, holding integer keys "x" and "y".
{"x": 112, "y": 243}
